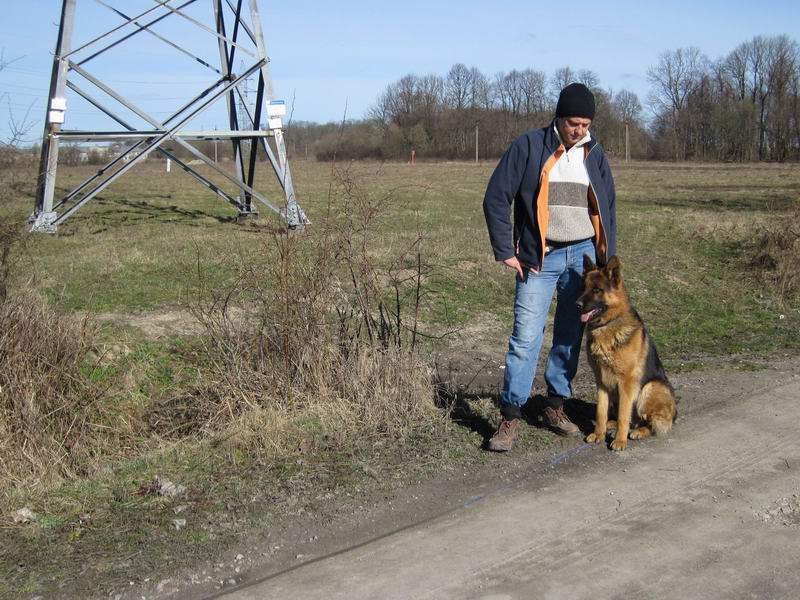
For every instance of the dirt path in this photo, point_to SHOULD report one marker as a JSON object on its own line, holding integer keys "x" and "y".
{"x": 711, "y": 512}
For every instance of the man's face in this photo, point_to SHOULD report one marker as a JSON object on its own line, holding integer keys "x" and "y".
{"x": 572, "y": 129}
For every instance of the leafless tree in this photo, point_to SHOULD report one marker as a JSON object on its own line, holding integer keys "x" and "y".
{"x": 458, "y": 86}
{"x": 534, "y": 91}
{"x": 429, "y": 97}
{"x": 500, "y": 98}
{"x": 560, "y": 79}
{"x": 782, "y": 73}
{"x": 19, "y": 128}
{"x": 677, "y": 74}
{"x": 381, "y": 112}
{"x": 5, "y": 62}
{"x": 400, "y": 99}
{"x": 588, "y": 78}
{"x": 627, "y": 107}
{"x": 735, "y": 67}
{"x": 743, "y": 106}
{"x": 480, "y": 95}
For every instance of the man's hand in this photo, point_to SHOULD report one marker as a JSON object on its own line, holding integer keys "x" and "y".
{"x": 514, "y": 264}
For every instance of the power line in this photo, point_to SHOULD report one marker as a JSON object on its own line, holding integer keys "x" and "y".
{"x": 18, "y": 93}
{"x": 136, "y": 81}
{"x": 24, "y": 87}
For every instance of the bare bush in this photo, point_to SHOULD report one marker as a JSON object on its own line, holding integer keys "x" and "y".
{"x": 44, "y": 397}
{"x": 317, "y": 348}
{"x": 775, "y": 253}
{"x": 11, "y": 236}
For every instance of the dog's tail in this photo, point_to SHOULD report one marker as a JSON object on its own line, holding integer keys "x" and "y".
{"x": 660, "y": 424}
{"x": 659, "y": 406}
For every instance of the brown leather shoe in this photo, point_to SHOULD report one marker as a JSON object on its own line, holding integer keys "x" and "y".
{"x": 557, "y": 420}
{"x": 503, "y": 439}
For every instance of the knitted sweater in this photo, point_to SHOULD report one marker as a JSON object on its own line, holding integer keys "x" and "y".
{"x": 515, "y": 190}
{"x": 569, "y": 196}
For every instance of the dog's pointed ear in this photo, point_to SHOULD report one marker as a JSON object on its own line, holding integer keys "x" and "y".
{"x": 588, "y": 265}
{"x": 614, "y": 270}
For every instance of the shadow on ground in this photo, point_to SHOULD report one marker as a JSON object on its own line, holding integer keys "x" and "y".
{"x": 118, "y": 212}
{"x": 457, "y": 402}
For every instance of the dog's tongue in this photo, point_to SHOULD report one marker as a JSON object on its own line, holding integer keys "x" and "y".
{"x": 586, "y": 316}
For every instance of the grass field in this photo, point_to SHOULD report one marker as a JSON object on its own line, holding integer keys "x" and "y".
{"x": 130, "y": 261}
{"x": 683, "y": 231}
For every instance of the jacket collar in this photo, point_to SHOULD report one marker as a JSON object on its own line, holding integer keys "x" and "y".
{"x": 552, "y": 140}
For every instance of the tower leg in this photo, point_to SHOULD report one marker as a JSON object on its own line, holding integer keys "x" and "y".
{"x": 295, "y": 218}
{"x": 43, "y": 216}
{"x": 226, "y": 63}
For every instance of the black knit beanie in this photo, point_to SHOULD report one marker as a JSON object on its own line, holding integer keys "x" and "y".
{"x": 575, "y": 100}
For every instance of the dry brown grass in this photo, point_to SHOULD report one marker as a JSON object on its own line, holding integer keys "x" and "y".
{"x": 45, "y": 400}
{"x": 43, "y": 393}
{"x": 49, "y": 413}
{"x": 775, "y": 254}
{"x": 316, "y": 350}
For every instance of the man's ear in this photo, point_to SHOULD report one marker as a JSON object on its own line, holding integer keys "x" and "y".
{"x": 588, "y": 265}
{"x": 614, "y": 271}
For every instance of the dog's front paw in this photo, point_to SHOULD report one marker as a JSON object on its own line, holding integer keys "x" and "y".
{"x": 618, "y": 445}
{"x": 596, "y": 437}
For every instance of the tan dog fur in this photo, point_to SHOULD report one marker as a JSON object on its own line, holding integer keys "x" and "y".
{"x": 624, "y": 360}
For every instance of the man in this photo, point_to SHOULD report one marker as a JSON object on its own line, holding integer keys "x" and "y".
{"x": 560, "y": 186}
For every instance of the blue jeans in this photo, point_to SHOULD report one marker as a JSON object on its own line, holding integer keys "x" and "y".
{"x": 562, "y": 273}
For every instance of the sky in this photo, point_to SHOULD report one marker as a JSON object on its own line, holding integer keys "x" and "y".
{"x": 332, "y": 59}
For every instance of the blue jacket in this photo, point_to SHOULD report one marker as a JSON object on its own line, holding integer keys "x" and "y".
{"x": 521, "y": 180}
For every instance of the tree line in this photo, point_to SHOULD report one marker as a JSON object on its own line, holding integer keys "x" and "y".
{"x": 744, "y": 106}
{"x": 741, "y": 107}
{"x": 444, "y": 117}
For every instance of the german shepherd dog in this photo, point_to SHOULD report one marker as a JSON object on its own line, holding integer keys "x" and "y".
{"x": 624, "y": 360}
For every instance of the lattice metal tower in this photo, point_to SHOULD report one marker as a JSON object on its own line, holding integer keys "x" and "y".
{"x": 245, "y": 104}
{"x": 231, "y": 32}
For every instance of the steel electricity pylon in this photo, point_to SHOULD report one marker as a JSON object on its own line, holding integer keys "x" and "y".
{"x": 234, "y": 27}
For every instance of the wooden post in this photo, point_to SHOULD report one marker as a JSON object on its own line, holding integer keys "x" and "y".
{"x": 413, "y": 156}
{"x": 476, "y": 142}
{"x": 627, "y": 145}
